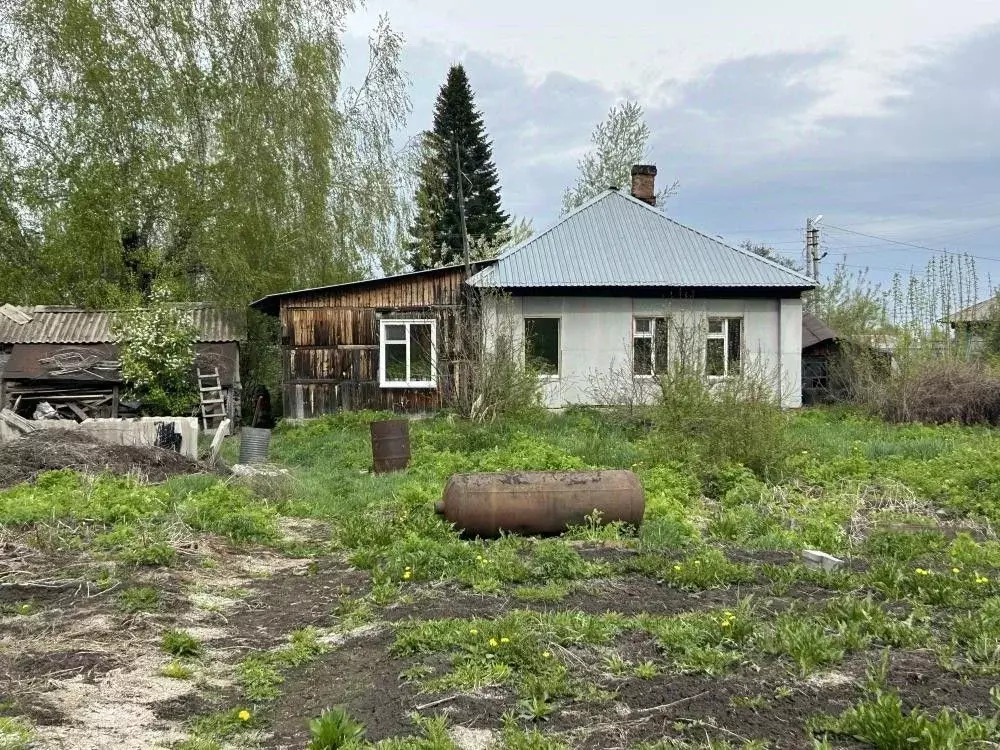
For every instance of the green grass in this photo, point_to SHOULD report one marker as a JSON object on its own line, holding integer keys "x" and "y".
{"x": 878, "y": 495}
{"x": 181, "y": 644}
{"x": 177, "y": 670}
{"x": 260, "y": 674}
{"x": 15, "y": 733}
{"x": 139, "y": 599}
{"x": 879, "y": 720}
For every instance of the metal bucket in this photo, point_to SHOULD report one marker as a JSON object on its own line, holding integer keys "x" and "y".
{"x": 254, "y": 442}
{"x": 390, "y": 445}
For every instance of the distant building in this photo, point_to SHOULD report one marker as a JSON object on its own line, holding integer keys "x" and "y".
{"x": 971, "y": 325}
{"x": 67, "y": 358}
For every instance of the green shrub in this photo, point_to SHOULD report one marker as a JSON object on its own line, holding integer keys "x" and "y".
{"x": 156, "y": 345}
{"x": 737, "y": 420}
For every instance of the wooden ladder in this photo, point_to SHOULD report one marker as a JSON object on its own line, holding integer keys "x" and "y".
{"x": 213, "y": 406}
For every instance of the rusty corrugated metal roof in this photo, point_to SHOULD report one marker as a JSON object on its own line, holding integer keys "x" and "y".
{"x": 617, "y": 240}
{"x": 73, "y": 325}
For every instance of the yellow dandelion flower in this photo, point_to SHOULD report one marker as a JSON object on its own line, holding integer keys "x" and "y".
{"x": 677, "y": 568}
{"x": 546, "y": 655}
{"x": 956, "y": 571}
{"x": 244, "y": 715}
{"x": 725, "y": 623}
{"x": 406, "y": 575}
{"x": 982, "y": 579}
{"x": 473, "y": 631}
{"x": 505, "y": 640}
{"x": 493, "y": 642}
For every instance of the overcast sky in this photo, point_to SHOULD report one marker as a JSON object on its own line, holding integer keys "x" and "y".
{"x": 882, "y": 115}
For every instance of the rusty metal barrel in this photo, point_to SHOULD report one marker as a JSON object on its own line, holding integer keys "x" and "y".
{"x": 390, "y": 445}
{"x": 540, "y": 502}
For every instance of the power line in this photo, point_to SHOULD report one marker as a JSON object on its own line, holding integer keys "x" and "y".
{"x": 909, "y": 244}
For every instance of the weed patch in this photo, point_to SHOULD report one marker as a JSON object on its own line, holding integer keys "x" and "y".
{"x": 181, "y": 644}
{"x": 260, "y": 674}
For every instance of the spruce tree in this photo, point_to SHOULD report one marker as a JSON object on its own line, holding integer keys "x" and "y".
{"x": 436, "y": 233}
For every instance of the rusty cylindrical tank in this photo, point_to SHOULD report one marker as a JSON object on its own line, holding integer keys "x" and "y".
{"x": 539, "y": 502}
{"x": 390, "y": 445}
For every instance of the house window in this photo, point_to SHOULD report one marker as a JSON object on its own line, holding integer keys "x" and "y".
{"x": 649, "y": 346}
{"x": 724, "y": 347}
{"x": 541, "y": 344}
{"x": 408, "y": 354}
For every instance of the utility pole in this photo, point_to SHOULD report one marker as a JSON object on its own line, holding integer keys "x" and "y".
{"x": 461, "y": 212}
{"x": 812, "y": 247}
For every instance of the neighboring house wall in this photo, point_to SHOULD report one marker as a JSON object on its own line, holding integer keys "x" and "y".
{"x": 596, "y": 335}
{"x": 331, "y": 343}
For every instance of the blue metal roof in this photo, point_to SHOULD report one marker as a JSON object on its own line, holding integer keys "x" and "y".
{"x": 617, "y": 240}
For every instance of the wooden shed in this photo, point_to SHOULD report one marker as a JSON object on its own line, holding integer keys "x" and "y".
{"x": 390, "y": 343}
{"x": 66, "y": 357}
{"x": 820, "y": 353}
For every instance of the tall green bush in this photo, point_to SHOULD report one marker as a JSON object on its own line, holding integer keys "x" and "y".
{"x": 713, "y": 423}
{"x": 156, "y": 346}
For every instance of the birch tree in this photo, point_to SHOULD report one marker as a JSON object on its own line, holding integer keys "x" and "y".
{"x": 617, "y": 144}
{"x": 210, "y": 144}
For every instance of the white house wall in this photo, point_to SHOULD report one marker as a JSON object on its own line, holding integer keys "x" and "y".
{"x": 595, "y": 336}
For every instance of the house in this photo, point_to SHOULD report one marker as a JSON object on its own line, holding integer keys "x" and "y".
{"x": 972, "y": 325}
{"x": 613, "y": 284}
{"x": 66, "y": 357}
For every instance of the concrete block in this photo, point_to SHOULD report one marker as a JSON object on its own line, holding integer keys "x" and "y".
{"x": 816, "y": 559}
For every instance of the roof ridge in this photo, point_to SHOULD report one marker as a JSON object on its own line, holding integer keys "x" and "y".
{"x": 717, "y": 241}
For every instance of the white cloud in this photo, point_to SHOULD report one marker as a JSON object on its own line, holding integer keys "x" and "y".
{"x": 639, "y": 44}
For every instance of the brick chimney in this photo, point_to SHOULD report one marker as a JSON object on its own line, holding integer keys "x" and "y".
{"x": 644, "y": 183}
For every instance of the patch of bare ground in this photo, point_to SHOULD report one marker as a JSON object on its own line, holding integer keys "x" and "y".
{"x": 923, "y": 682}
{"x": 301, "y": 595}
{"x": 88, "y": 675}
{"x": 729, "y": 707}
{"x": 360, "y": 675}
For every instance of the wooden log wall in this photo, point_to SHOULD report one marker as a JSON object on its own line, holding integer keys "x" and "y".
{"x": 330, "y": 343}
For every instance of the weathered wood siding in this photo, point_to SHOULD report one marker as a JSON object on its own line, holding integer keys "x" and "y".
{"x": 330, "y": 343}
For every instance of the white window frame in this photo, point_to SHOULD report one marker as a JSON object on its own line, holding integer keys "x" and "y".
{"x": 724, "y": 336}
{"x": 559, "y": 340}
{"x": 651, "y": 335}
{"x": 384, "y": 382}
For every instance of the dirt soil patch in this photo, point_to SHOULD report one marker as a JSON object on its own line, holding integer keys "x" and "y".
{"x": 22, "y": 460}
{"x": 359, "y": 675}
{"x": 301, "y": 597}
